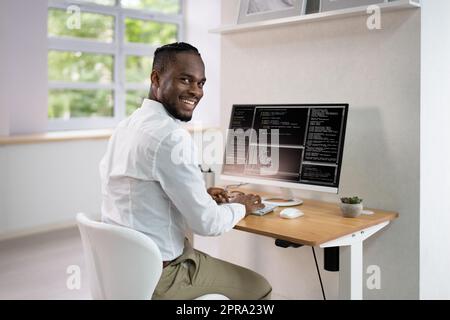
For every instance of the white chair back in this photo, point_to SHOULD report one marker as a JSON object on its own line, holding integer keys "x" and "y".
{"x": 121, "y": 263}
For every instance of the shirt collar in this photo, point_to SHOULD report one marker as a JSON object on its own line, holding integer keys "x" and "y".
{"x": 157, "y": 107}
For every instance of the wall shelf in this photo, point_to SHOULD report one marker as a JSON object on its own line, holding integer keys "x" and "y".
{"x": 337, "y": 14}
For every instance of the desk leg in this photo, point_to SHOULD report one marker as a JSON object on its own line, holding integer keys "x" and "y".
{"x": 351, "y": 272}
{"x": 351, "y": 261}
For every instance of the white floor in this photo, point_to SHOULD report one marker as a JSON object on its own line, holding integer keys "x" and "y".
{"x": 35, "y": 267}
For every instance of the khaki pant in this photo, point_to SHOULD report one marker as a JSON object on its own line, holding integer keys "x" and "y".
{"x": 195, "y": 273}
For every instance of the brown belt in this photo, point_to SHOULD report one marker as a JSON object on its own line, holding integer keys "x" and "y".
{"x": 166, "y": 263}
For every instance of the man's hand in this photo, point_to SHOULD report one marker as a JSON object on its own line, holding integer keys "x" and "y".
{"x": 251, "y": 202}
{"x": 219, "y": 195}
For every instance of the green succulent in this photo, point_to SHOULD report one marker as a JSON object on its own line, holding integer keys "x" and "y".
{"x": 351, "y": 200}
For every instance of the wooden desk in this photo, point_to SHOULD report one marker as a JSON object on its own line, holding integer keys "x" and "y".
{"x": 323, "y": 225}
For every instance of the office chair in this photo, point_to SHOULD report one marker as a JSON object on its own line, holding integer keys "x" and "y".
{"x": 121, "y": 263}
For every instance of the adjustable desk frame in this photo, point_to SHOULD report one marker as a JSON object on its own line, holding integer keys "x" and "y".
{"x": 351, "y": 261}
{"x": 322, "y": 225}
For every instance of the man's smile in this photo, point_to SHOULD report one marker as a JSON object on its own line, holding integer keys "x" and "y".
{"x": 189, "y": 103}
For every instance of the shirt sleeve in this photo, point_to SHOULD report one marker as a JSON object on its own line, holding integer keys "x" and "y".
{"x": 176, "y": 169}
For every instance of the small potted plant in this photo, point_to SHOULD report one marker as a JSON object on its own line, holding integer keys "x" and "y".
{"x": 351, "y": 207}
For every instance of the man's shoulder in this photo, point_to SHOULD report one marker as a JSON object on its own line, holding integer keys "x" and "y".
{"x": 174, "y": 135}
{"x": 152, "y": 127}
{"x": 165, "y": 131}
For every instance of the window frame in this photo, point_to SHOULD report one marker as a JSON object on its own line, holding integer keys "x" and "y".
{"x": 119, "y": 49}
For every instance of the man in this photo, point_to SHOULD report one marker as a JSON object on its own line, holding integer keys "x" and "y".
{"x": 150, "y": 188}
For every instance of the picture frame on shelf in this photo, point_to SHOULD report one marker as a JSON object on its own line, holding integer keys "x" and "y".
{"x": 260, "y": 10}
{"x": 332, "y": 5}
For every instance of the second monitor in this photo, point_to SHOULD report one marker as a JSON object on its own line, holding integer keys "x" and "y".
{"x": 290, "y": 146}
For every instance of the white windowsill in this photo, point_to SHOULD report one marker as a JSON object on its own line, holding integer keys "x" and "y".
{"x": 58, "y": 136}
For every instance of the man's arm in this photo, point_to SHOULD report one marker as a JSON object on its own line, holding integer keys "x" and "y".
{"x": 176, "y": 169}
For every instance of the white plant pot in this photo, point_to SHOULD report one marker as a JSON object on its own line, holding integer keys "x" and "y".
{"x": 351, "y": 210}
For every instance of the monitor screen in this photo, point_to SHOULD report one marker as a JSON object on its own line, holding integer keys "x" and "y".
{"x": 293, "y": 146}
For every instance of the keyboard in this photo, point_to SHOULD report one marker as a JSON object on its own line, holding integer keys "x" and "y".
{"x": 268, "y": 208}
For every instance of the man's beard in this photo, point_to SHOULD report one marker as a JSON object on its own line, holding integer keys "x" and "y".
{"x": 176, "y": 114}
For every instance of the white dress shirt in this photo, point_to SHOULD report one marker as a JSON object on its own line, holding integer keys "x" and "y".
{"x": 151, "y": 182}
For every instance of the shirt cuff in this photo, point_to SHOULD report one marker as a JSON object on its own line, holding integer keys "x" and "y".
{"x": 238, "y": 211}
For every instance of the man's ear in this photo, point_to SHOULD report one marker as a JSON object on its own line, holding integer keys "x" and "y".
{"x": 155, "y": 84}
{"x": 154, "y": 77}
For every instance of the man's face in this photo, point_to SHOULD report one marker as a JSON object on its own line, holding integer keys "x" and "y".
{"x": 180, "y": 86}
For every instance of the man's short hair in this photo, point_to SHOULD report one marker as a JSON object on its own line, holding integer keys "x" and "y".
{"x": 167, "y": 54}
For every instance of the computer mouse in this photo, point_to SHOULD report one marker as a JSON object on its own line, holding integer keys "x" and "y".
{"x": 291, "y": 213}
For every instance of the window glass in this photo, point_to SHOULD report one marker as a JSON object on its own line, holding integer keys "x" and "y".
{"x": 150, "y": 32}
{"x": 134, "y": 100}
{"x": 70, "y": 66}
{"x": 138, "y": 69}
{"x": 92, "y": 25}
{"x": 68, "y": 103}
{"x": 164, "y": 6}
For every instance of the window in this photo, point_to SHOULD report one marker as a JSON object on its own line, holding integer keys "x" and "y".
{"x": 100, "y": 57}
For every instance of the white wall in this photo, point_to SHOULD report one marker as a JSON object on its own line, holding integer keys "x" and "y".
{"x": 3, "y": 188}
{"x": 4, "y": 55}
{"x": 4, "y": 112}
{"x": 48, "y": 183}
{"x": 41, "y": 185}
{"x": 435, "y": 151}
{"x": 378, "y": 74}
{"x": 4, "y": 116}
{"x": 23, "y": 65}
{"x": 202, "y": 15}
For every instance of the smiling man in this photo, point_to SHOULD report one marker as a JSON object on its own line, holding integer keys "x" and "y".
{"x": 178, "y": 79}
{"x": 148, "y": 187}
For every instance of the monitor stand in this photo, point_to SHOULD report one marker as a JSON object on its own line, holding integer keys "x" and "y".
{"x": 285, "y": 200}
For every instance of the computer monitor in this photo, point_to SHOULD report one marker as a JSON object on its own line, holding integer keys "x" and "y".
{"x": 292, "y": 146}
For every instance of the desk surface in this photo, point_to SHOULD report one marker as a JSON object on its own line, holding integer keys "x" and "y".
{"x": 321, "y": 223}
